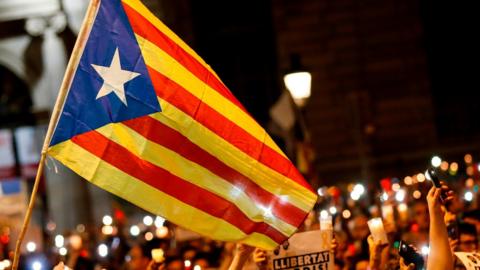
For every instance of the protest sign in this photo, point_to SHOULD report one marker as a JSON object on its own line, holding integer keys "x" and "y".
{"x": 471, "y": 260}
{"x": 304, "y": 251}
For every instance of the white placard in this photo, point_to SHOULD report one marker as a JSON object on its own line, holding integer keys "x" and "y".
{"x": 471, "y": 260}
{"x": 305, "y": 251}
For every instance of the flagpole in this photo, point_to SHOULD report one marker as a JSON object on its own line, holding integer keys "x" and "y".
{"x": 69, "y": 73}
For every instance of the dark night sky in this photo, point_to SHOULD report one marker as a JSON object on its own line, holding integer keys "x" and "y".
{"x": 452, "y": 47}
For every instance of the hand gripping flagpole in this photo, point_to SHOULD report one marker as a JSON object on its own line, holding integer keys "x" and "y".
{"x": 67, "y": 79}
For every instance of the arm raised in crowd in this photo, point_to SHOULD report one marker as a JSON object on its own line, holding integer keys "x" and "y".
{"x": 440, "y": 256}
{"x": 241, "y": 256}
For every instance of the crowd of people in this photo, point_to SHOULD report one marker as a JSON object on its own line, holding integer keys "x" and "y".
{"x": 435, "y": 225}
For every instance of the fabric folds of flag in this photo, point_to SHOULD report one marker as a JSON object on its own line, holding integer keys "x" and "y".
{"x": 148, "y": 120}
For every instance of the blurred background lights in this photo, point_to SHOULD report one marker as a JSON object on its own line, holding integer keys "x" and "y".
{"x": 36, "y": 265}
{"x": 62, "y": 251}
{"x": 454, "y": 167}
{"x": 420, "y": 177}
{"x": 197, "y": 267}
{"x": 332, "y": 210}
{"x": 102, "y": 250}
{"x": 31, "y": 247}
{"x": 396, "y": 187}
{"x": 80, "y": 228}
{"x": 444, "y": 166}
{"x": 134, "y": 230}
{"x": 148, "y": 236}
{"x": 161, "y": 232}
{"x": 107, "y": 220}
{"x": 384, "y": 196}
{"x": 107, "y": 230}
{"x": 187, "y": 263}
{"x": 320, "y": 192}
{"x": 402, "y": 207}
{"x": 468, "y": 196}
{"x": 75, "y": 241}
{"x": 159, "y": 221}
{"x": 147, "y": 220}
{"x": 468, "y": 158}
{"x": 59, "y": 241}
{"x": 436, "y": 161}
{"x": 346, "y": 214}
{"x": 5, "y": 264}
{"x": 323, "y": 214}
{"x": 400, "y": 196}
{"x": 417, "y": 194}
{"x": 470, "y": 170}
{"x": 425, "y": 250}
{"x": 408, "y": 180}
{"x": 469, "y": 183}
{"x": 357, "y": 192}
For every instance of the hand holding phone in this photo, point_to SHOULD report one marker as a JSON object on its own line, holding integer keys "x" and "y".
{"x": 431, "y": 174}
{"x": 409, "y": 255}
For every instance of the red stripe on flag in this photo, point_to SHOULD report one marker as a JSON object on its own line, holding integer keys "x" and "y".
{"x": 119, "y": 157}
{"x": 223, "y": 127}
{"x": 161, "y": 134}
{"x": 143, "y": 27}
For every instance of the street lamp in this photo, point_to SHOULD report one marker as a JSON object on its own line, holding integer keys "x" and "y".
{"x": 298, "y": 81}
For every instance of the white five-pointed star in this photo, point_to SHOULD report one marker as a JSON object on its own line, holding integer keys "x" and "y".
{"x": 114, "y": 78}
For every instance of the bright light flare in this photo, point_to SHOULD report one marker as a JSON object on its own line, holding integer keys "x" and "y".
{"x": 102, "y": 250}
{"x": 59, "y": 241}
{"x": 436, "y": 161}
{"x": 400, "y": 196}
{"x": 107, "y": 220}
{"x": 468, "y": 196}
{"x": 134, "y": 230}
{"x": 147, "y": 220}
{"x": 425, "y": 250}
{"x": 31, "y": 247}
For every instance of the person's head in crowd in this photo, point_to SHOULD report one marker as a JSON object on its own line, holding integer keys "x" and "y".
{"x": 174, "y": 263}
{"x": 339, "y": 265}
{"x": 467, "y": 237}
{"x": 189, "y": 252}
{"x": 473, "y": 217}
{"x": 361, "y": 262}
{"x": 140, "y": 256}
{"x": 359, "y": 228}
{"x": 201, "y": 260}
{"x": 420, "y": 214}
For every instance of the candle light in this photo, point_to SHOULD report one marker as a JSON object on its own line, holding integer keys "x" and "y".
{"x": 387, "y": 213}
{"x": 158, "y": 255}
{"x": 402, "y": 211}
{"x": 376, "y": 229}
{"x": 326, "y": 222}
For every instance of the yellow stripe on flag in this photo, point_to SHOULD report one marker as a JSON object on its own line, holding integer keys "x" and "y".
{"x": 209, "y": 141}
{"x": 124, "y": 185}
{"x": 140, "y": 8}
{"x": 162, "y": 62}
{"x": 189, "y": 171}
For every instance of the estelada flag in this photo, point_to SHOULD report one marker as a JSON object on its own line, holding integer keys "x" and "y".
{"x": 147, "y": 119}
